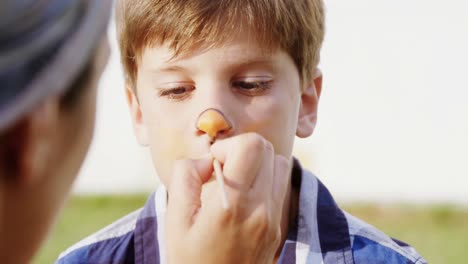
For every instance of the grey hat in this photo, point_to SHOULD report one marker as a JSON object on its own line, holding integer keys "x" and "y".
{"x": 44, "y": 44}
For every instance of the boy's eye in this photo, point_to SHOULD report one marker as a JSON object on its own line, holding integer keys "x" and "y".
{"x": 177, "y": 93}
{"x": 252, "y": 87}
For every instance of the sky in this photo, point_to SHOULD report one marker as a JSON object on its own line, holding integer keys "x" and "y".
{"x": 393, "y": 114}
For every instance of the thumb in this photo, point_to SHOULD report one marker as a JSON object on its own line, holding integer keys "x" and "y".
{"x": 184, "y": 191}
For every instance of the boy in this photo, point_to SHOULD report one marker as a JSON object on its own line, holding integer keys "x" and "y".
{"x": 52, "y": 53}
{"x": 235, "y": 79}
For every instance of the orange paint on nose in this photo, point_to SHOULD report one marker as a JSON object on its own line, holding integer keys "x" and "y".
{"x": 212, "y": 122}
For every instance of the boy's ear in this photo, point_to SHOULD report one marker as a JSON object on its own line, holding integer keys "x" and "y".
{"x": 136, "y": 115}
{"x": 27, "y": 148}
{"x": 307, "y": 118}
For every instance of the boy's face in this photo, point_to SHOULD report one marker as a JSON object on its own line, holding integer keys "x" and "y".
{"x": 256, "y": 91}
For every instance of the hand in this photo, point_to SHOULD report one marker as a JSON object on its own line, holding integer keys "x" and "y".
{"x": 202, "y": 231}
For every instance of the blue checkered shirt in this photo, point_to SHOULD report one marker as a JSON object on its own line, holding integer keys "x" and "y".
{"x": 323, "y": 233}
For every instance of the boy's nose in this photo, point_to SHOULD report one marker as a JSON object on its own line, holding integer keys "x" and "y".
{"x": 213, "y": 122}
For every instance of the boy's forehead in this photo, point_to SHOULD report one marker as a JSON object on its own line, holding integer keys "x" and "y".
{"x": 238, "y": 53}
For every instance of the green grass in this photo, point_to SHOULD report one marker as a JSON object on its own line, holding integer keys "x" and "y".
{"x": 82, "y": 217}
{"x": 440, "y": 233}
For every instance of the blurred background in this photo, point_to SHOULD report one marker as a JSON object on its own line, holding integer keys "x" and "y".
{"x": 391, "y": 142}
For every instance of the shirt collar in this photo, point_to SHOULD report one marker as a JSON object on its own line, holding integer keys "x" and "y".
{"x": 146, "y": 234}
{"x": 321, "y": 233}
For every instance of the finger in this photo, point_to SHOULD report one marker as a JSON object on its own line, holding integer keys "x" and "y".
{"x": 184, "y": 190}
{"x": 220, "y": 178}
{"x": 263, "y": 183}
{"x": 241, "y": 157}
{"x": 282, "y": 174}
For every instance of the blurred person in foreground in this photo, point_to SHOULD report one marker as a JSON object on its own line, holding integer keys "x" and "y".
{"x": 52, "y": 53}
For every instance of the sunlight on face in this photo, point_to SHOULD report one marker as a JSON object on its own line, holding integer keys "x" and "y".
{"x": 256, "y": 91}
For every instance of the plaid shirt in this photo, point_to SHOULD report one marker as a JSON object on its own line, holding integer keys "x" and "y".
{"x": 323, "y": 233}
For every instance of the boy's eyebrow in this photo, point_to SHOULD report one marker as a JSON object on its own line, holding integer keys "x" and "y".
{"x": 170, "y": 68}
{"x": 236, "y": 64}
{"x": 255, "y": 61}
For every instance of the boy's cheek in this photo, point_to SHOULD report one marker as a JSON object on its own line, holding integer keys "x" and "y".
{"x": 276, "y": 124}
{"x": 163, "y": 161}
{"x": 169, "y": 145}
{"x": 165, "y": 150}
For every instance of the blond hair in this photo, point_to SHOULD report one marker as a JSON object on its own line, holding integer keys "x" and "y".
{"x": 296, "y": 26}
